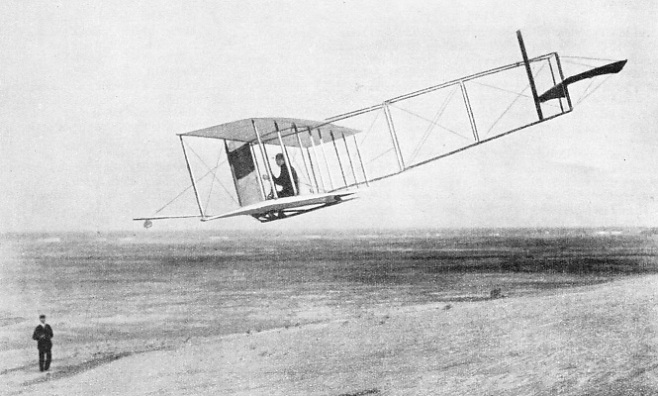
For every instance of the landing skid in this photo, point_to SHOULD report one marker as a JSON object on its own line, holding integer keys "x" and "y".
{"x": 273, "y": 215}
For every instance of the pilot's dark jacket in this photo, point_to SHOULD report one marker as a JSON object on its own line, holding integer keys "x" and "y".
{"x": 284, "y": 181}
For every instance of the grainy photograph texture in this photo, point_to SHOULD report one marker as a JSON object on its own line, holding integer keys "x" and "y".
{"x": 328, "y": 198}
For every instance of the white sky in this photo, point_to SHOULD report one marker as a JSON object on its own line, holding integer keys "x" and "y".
{"x": 93, "y": 93}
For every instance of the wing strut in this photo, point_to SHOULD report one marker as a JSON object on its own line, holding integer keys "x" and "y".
{"x": 317, "y": 158}
{"x": 301, "y": 149}
{"x": 349, "y": 157}
{"x": 189, "y": 169}
{"x": 340, "y": 164}
{"x": 263, "y": 152}
{"x": 286, "y": 159}
{"x": 258, "y": 174}
{"x": 326, "y": 163}
{"x": 394, "y": 136}
{"x": 363, "y": 169}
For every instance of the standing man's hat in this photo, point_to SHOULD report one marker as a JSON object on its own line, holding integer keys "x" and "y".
{"x": 42, "y": 316}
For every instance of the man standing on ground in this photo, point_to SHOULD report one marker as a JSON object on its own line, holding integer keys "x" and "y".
{"x": 42, "y": 334}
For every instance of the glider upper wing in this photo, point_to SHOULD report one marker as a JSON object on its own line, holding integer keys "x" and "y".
{"x": 243, "y": 131}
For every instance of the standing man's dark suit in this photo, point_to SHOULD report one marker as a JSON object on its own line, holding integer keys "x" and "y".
{"x": 42, "y": 334}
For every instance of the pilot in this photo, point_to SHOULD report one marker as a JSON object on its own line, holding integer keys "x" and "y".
{"x": 283, "y": 180}
{"x": 42, "y": 334}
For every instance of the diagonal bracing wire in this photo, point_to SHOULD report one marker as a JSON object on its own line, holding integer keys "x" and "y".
{"x": 379, "y": 156}
{"x": 214, "y": 175}
{"x": 586, "y": 94}
{"x": 587, "y": 58}
{"x": 370, "y": 128}
{"x": 431, "y": 122}
{"x": 512, "y": 92}
{"x": 577, "y": 63}
{"x": 294, "y": 161}
{"x": 187, "y": 188}
{"x": 212, "y": 182}
{"x": 518, "y": 96}
{"x": 430, "y": 127}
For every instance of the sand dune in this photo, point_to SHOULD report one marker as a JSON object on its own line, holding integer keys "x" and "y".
{"x": 589, "y": 340}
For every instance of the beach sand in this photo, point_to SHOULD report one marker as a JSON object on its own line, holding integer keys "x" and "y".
{"x": 596, "y": 339}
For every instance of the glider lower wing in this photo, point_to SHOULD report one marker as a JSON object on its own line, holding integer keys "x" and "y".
{"x": 558, "y": 90}
{"x": 291, "y": 205}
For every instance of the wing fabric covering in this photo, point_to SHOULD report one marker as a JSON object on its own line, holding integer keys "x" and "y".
{"x": 243, "y": 131}
{"x": 244, "y": 172}
{"x": 558, "y": 90}
{"x": 241, "y": 161}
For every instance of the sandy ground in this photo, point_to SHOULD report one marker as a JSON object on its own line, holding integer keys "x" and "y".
{"x": 587, "y": 340}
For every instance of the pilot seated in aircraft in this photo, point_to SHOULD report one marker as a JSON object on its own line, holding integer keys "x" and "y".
{"x": 287, "y": 189}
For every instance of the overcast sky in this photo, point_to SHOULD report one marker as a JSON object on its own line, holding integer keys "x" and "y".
{"x": 92, "y": 95}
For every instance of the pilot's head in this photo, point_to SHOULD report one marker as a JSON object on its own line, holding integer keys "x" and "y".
{"x": 279, "y": 159}
{"x": 42, "y": 318}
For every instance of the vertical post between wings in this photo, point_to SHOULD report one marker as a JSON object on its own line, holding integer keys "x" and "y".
{"x": 301, "y": 149}
{"x": 550, "y": 66}
{"x": 469, "y": 110}
{"x": 340, "y": 164}
{"x": 533, "y": 88}
{"x": 260, "y": 177}
{"x": 286, "y": 159}
{"x": 189, "y": 169}
{"x": 317, "y": 159}
{"x": 358, "y": 153}
{"x": 326, "y": 163}
{"x": 310, "y": 163}
{"x": 394, "y": 136}
{"x": 564, "y": 86}
{"x": 349, "y": 157}
{"x": 268, "y": 169}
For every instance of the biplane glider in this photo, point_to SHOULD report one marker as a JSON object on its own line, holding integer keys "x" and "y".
{"x": 324, "y": 161}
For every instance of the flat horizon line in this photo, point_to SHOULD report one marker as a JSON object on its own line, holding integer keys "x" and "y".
{"x": 335, "y": 230}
